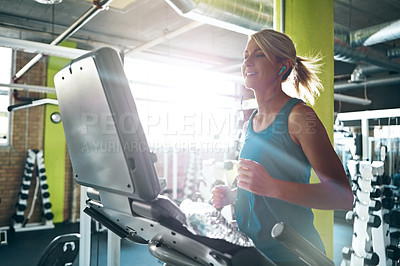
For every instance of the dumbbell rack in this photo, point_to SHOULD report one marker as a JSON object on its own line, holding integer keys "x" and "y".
{"x": 20, "y": 221}
{"x": 371, "y": 234}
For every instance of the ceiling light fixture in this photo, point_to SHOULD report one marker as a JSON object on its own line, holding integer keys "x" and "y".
{"x": 48, "y": 2}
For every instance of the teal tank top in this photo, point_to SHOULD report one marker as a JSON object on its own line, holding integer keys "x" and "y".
{"x": 275, "y": 150}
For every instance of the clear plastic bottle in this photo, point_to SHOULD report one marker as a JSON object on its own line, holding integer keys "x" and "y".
{"x": 203, "y": 219}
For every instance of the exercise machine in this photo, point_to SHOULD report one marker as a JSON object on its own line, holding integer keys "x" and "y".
{"x": 62, "y": 250}
{"x": 110, "y": 155}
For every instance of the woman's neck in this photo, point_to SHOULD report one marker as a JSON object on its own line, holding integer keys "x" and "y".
{"x": 269, "y": 102}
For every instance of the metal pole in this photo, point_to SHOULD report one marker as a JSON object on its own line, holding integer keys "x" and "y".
{"x": 85, "y": 231}
{"x": 365, "y": 136}
{"x": 68, "y": 32}
{"x": 113, "y": 249}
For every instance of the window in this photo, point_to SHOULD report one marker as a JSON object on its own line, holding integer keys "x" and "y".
{"x": 5, "y": 76}
{"x": 182, "y": 108}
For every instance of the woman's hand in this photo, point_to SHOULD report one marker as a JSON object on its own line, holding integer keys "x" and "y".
{"x": 253, "y": 177}
{"x": 222, "y": 195}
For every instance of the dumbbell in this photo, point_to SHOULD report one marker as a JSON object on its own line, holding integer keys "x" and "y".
{"x": 375, "y": 193}
{"x": 375, "y": 181}
{"x": 18, "y": 218}
{"x": 369, "y": 258}
{"x": 364, "y": 210}
{"x": 21, "y": 207}
{"x": 388, "y": 203}
{"x": 392, "y": 218}
{"x": 395, "y": 234}
{"x": 386, "y": 180}
{"x": 393, "y": 252}
{"x": 373, "y": 220}
{"x": 27, "y": 178}
{"x": 49, "y": 216}
{"x": 374, "y": 205}
{"x": 387, "y": 192}
{"x": 377, "y": 168}
{"x": 346, "y": 253}
{"x": 365, "y": 197}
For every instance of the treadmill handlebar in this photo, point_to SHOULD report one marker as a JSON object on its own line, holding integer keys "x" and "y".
{"x": 299, "y": 245}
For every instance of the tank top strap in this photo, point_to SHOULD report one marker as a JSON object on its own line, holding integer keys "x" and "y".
{"x": 283, "y": 114}
{"x": 249, "y": 127}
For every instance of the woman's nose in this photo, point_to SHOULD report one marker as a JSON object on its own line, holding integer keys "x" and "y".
{"x": 247, "y": 61}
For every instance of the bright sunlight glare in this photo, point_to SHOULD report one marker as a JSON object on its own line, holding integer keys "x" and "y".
{"x": 183, "y": 106}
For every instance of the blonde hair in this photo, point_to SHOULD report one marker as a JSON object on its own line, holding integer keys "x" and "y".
{"x": 303, "y": 73}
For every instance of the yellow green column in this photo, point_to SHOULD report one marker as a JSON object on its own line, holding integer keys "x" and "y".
{"x": 310, "y": 24}
{"x": 54, "y": 143}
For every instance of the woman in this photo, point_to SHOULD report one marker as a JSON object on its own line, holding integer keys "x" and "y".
{"x": 284, "y": 138}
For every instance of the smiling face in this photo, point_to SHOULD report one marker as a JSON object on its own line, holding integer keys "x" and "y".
{"x": 259, "y": 71}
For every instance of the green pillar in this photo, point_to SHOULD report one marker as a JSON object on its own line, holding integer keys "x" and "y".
{"x": 54, "y": 143}
{"x": 310, "y": 24}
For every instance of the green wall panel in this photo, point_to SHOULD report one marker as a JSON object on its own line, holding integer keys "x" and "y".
{"x": 54, "y": 143}
{"x": 310, "y": 24}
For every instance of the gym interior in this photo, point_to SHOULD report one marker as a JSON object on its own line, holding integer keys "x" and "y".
{"x": 180, "y": 61}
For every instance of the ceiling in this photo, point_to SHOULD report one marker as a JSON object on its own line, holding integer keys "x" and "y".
{"x": 152, "y": 29}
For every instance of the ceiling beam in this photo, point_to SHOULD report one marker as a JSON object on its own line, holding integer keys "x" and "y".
{"x": 41, "y": 48}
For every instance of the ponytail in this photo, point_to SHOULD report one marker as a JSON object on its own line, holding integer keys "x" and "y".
{"x": 305, "y": 80}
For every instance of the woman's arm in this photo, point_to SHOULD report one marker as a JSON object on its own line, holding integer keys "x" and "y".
{"x": 222, "y": 196}
{"x": 333, "y": 191}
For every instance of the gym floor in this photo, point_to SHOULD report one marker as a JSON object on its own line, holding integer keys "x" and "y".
{"x": 25, "y": 248}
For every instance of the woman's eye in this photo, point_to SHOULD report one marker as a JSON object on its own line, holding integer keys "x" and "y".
{"x": 257, "y": 55}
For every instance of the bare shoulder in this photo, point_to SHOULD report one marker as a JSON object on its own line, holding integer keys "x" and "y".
{"x": 302, "y": 111}
{"x": 303, "y": 121}
{"x": 302, "y": 114}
